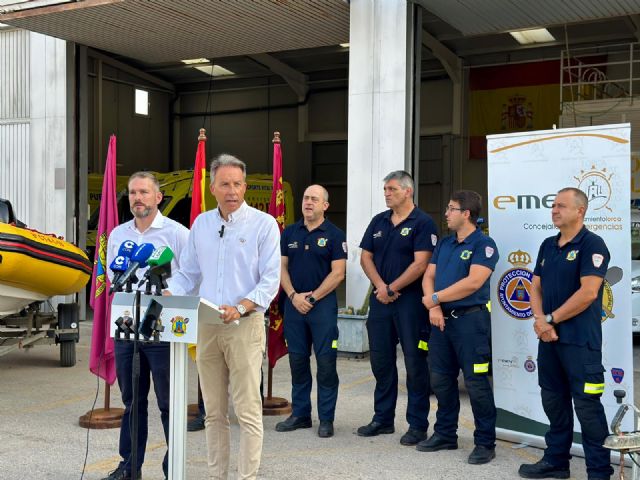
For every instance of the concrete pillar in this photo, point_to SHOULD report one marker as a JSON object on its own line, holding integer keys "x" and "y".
{"x": 380, "y": 116}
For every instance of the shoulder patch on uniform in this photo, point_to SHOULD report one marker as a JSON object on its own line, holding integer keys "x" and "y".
{"x": 293, "y": 245}
{"x": 488, "y": 251}
{"x": 378, "y": 234}
{"x": 597, "y": 259}
{"x": 434, "y": 239}
{"x": 344, "y": 247}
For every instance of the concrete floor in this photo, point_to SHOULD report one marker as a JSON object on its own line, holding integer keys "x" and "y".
{"x": 40, "y": 438}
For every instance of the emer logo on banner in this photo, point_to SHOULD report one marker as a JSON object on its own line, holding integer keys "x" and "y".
{"x": 514, "y": 286}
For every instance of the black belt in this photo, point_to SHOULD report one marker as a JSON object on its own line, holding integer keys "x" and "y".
{"x": 458, "y": 312}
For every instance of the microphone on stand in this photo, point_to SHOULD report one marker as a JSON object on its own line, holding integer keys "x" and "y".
{"x": 138, "y": 260}
{"x": 221, "y": 231}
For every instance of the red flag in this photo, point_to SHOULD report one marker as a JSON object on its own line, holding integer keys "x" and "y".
{"x": 199, "y": 178}
{"x": 102, "y": 358}
{"x": 277, "y": 344}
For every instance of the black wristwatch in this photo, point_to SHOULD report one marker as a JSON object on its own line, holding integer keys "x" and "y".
{"x": 311, "y": 300}
{"x": 390, "y": 292}
{"x": 549, "y": 319}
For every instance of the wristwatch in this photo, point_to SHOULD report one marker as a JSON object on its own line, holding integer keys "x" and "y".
{"x": 241, "y": 309}
{"x": 434, "y": 299}
{"x": 390, "y": 292}
{"x": 549, "y": 319}
{"x": 311, "y": 299}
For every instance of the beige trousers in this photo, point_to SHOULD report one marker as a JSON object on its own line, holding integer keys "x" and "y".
{"x": 231, "y": 356}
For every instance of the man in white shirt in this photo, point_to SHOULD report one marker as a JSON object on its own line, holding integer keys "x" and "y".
{"x": 233, "y": 259}
{"x": 147, "y": 226}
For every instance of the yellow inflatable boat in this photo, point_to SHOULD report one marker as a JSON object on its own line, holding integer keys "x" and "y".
{"x": 35, "y": 266}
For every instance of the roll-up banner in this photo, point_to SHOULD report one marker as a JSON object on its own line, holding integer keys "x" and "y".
{"x": 525, "y": 171}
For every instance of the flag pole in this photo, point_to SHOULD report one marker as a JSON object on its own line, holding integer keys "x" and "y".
{"x": 274, "y": 405}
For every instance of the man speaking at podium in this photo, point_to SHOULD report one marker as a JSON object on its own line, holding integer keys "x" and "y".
{"x": 232, "y": 258}
{"x": 147, "y": 226}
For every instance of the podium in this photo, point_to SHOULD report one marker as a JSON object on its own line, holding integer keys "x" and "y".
{"x": 180, "y": 316}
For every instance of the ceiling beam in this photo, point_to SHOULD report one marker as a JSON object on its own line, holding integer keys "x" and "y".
{"x": 297, "y": 81}
{"x": 451, "y": 62}
{"x": 635, "y": 25}
{"x": 132, "y": 70}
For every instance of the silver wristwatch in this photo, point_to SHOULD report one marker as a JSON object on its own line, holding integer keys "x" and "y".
{"x": 241, "y": 309}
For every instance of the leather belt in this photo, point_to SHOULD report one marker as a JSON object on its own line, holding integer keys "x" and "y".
{"x": 458, "y": 312}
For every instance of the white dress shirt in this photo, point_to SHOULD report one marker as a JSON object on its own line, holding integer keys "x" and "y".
{"x": 162, "y": 232}
{"x": 226, "y": 265}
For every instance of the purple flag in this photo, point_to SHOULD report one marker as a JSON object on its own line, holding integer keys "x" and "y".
{"x": 102, "y": 359}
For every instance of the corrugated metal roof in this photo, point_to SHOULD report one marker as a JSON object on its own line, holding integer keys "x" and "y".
{"x": 169, "y": 30}
{"x": 478, "y": 17}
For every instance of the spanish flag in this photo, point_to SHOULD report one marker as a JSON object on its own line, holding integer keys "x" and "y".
{"x": 199, "y": 178}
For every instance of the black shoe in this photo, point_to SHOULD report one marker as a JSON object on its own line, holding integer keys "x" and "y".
{"x": 196, "y": 424}
{"x": 375, "y": 428}
{"x": 542, "y": 469}
{"x": 435, "y": 443}
{"x": 481, "y": 454}
{"x": 413, "y": 437}
{"x": 325, "y": 430}
{"x": 293, "y": 423}
{"x": 120, "y": 474}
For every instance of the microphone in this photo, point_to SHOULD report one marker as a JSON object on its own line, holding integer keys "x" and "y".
{"x": 159, "y": 259}
{"x": 127, "y": 248}
{"x": 118, "y": 266}
{"x": 221, "y": 231}
{"x": 138, "y": 260}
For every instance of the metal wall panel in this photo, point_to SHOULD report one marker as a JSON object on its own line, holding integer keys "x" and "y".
{"x": 14, "y": 74}
{"x": 14, "y": 166}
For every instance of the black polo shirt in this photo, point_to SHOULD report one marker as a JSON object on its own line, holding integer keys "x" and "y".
{"x": 453, "y": 261}
{"x": 393, "y": 247}
{"x": 310, "y": 253}
{"x": 560, "y": 270}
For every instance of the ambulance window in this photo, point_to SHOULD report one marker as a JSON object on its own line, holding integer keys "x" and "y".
{"x": 181, "y": 211}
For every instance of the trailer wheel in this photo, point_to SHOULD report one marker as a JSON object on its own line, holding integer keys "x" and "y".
{"x": 67, "y": 354}
{"x": 67, "y": 319}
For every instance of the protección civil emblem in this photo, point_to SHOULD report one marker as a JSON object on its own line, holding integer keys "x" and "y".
{"x": 597, "y": 186}
{"x": 514, "y": 287}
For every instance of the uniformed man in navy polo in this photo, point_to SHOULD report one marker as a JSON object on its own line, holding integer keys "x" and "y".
{"x": 314, "y": 253}
{"x": 566, "y": 300}
{"x": 456, "y": 290}
{"x": 396, "y": 249}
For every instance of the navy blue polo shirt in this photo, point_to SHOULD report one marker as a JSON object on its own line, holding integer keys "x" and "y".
{"x": 453, "y": 261}
{"x": 560, "y": 270}
{"x": 310, "y": 253}
{"x": 393, "y": 247}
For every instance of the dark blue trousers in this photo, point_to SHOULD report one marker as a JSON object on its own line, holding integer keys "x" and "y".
{"x": 318, "y": 328}
{"x": 464, "y": 345}
{"x": 405, "y": 321}
{"x": 575, "y": 372}
{"x": 154, "y": 361}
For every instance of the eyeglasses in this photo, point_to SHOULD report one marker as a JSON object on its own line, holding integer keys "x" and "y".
{"x": 449, "y": 209}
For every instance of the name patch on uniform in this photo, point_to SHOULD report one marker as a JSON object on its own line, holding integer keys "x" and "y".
{"x": 466, "y": 254}
{"x": 405, "y": 231}
{"x": 434, "y": 239}
{"x": 597, "y": 259}
{"x": 344, "y": 247}
{"x": 378, "y": 234}
{"x": 571, "y": 256}
{"x": 322, "y": 242}
{"x": 488, "y": 251}
{"x": 293, "y": 245}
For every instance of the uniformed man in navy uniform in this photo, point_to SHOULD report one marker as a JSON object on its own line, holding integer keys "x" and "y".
{"x": 456, "y": 291}
{"x": 396, "y": 249}
{"x": 314, "y": 253}
{"x": 566, "y": 300}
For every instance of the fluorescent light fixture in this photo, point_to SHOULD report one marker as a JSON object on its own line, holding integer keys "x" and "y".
{"x": 195, "y": 61}
{"x": 142, "y": 102}
{"x": 344, "y": 45}
{"x": 215, "y": 70}
{"x": 536, "y": 35}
